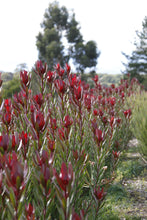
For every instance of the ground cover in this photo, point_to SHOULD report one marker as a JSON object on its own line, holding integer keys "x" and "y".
{"x": 127, "y": 197}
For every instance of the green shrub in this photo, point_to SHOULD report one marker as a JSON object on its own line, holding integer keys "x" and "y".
{"x": 139, "y": 122}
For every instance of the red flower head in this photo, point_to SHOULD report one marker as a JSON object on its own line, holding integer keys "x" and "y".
{"x": 24, "y": 138}
{"x": 67, "y": 69}
{"x": 128, "y": 113}
{"x": 100, "y": 194}
{"x": 95, "y": 112}
{"x": 115, "y": 154}
{"x": 74, "y": 80}
{"x": 15, "y": 174}
{"x": 67, "y": 121}
{"x": 50, "y": 76}
{"x": 60, "y": 85}
{"x": 7, "y": 105}
{"x": 7, "y": 118}
{"x": 104, "y": 119}
{"x": 98, "y": 135}
{"x": 112, "y": 101}
{"x": 37, "y": 119}
{"x": 65, "y": 177}
{"x": 118, "y": 120}
{"x": 95, "y": 79}
{"x": 4, "y": 141}
{"x": 13, "y": 141}
{"x": 40, "y": 69}
{"x": 57, "y": 67}
{"x": 53, "y": 123}
{"x": 87, "y": 101}
{"x": 40, "y": 120}
{"x": 111, "y": 121}
{"x": 38, "y": 99}
{"x": 101, "y": 113}
{"x": 29, "y": 209}
{"x": 61, "y": 133}
{"x": 24, "y": 77}
{"x": 113, "y": 86}
{"x": 51, "y": 145}
{"x": 78, "y": 93}
{"x": 16, "y": 171}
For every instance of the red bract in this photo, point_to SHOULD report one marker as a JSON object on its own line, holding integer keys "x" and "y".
{"x": 118, "y": 120}
{"x": 95, "y": 112}
{"x": 74, "y": 80}
{"x": 115, "y": 154}
{"x": 65, "y": 177}
{"x": 40, "y": 121}
{"x": 29, "y": 209}
{"x": 40, "y": 69}
{"x": 94, "y": 125}
{"x": 7, "y": 118}
{"x": 4, "y": 141}
{"x": 60, "y": 85}
{"x": 98, "y": 136}
{"x": 67, "y": 69}
{"x": 112, "y": 86}
{"x": 16, "y": 172}
{"x": 78, "y": 92}
{"x": 7, "y": 104}
{"x": 68, "y": 121}
{"x": 24, "y": 138}
{"x": 15, "y": 175}
{"x": 51, "y": 145}
{"x": 104, "y": 120}
{"x": 87, "y": 101}
{"x": 57, "y": 67}
{"x": 111, "y": 122}
{"x": 99, "y": 194}
{"x": 112, "y": 101}
{"x": 53, "y": 123}
{"x": 38, "y": 99}
{"x": 24, "y": 77}
{"x": 50, "y": 76}
{"x": 13, "y": 142}
{"x": 100, "y": 113}
{"x": 127, "y": 113}
{"x": 61, "y": 133}
{"x": 95, "y": 79}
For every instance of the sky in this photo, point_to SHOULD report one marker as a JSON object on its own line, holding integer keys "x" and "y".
{"x": 112, "y": 24}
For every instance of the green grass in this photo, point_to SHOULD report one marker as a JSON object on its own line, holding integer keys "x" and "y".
{"x": 122, "y": 198}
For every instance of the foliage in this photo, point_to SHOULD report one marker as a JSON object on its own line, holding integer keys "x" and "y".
{"x": 58, "y": 26}
{"x": 137, "y": 62}
{"x": 11, "y": 87}
{"x": 56, "y": 145}
{"x": 139, "y": 122}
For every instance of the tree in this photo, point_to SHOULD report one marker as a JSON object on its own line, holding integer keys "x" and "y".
{"x": 59, "y": 26}
{"x": 49, "y": 44}
{"x": 137, "y": 62}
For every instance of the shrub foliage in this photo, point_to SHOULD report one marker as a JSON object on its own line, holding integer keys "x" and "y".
{"x": 59, "y": 148}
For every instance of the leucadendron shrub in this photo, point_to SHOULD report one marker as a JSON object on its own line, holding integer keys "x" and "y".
{"x": 139, "y": 121}
{"x": 59, "y": 148}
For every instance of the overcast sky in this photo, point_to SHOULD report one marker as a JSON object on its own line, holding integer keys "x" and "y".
{"x": 111, "y": 23}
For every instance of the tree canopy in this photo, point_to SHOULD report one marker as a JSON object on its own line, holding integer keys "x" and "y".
{"x": 60, "y": 26}
{"x": 137, "y": 62}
